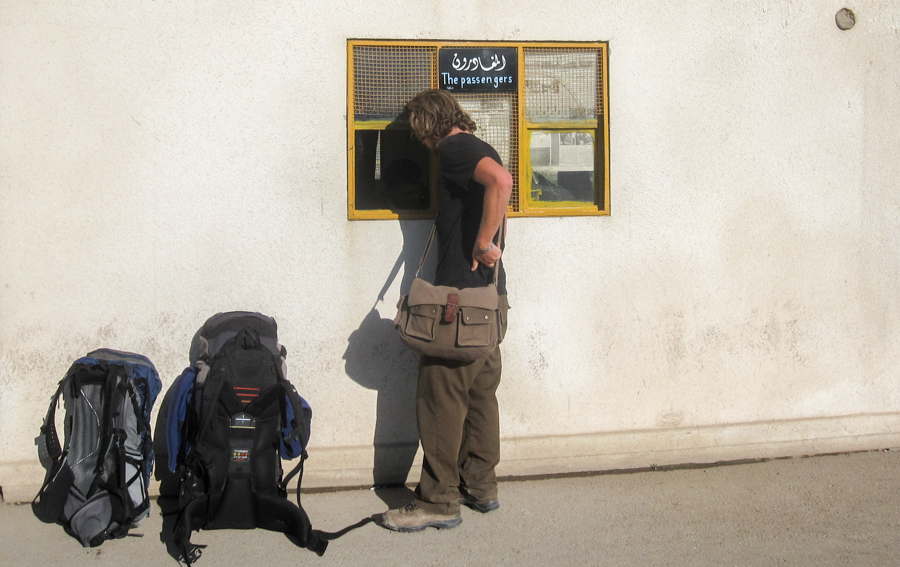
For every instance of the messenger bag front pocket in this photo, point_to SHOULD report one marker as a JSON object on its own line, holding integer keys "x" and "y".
{"x": 422, "y": 320}
{"x": 477, "y": 327}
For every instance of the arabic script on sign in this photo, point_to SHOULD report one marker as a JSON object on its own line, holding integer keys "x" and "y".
{"x": 475, "y": 63}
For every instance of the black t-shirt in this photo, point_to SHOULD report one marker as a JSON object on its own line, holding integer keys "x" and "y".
{"x": 460, "y": 204}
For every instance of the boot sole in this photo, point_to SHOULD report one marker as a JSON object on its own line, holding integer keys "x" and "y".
{"x": 441, "y": 525}
{"x": 484, "y": 508}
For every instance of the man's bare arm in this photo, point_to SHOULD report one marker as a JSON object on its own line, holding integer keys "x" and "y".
{"x": 497, "y": 190}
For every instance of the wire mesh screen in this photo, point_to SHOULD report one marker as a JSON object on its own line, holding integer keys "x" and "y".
{"x": 562, "y": 84}
{"x": 386, "y": 77}
{"x": 495, "y": 115}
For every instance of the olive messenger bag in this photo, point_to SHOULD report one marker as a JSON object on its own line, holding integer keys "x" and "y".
{"x": 446, "y": 322}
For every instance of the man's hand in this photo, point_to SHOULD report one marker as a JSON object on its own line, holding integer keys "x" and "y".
{"x": 488, "y": 258}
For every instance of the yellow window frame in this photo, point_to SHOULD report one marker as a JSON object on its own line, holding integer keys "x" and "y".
{"x": 521, "y": 205}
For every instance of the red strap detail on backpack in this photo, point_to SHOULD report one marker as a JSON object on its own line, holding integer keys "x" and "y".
{"x": 246, "y": 395}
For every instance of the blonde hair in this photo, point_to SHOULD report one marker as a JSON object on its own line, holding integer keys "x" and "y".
{"x": 434, "y": 113}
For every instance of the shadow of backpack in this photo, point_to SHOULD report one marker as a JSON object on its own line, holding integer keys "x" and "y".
{"x": 230, "y": 419}
{"x": 97, "y": 483}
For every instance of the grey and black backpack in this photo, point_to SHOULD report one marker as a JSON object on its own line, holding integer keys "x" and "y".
{"x": 97, "y": 481}
{"x": 224, "y": 427}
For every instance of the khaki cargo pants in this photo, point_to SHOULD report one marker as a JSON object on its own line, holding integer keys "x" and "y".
{"x": 459, "y": 428}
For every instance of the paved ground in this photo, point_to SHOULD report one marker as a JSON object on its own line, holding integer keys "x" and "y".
{"x": 820, "y": 511}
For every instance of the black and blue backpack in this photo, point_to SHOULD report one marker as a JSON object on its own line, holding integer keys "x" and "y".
{"x": 225, "y": 425}
{"x": 97, "y": 481}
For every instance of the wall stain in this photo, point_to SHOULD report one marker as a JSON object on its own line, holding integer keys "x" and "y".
{"x": 670, "y": 419}
{"x": 537, "y": 362}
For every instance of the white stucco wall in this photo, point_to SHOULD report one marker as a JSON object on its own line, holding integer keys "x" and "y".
{"x": 163, "y": 161}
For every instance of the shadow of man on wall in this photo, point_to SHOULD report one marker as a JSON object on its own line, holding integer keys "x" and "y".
{"x": 376, "y": 359}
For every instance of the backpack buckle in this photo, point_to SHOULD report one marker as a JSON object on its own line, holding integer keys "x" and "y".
{"x": 243, "y": 421}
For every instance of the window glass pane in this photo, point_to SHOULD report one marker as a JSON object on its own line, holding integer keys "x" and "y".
{"x": 391, "y": 171}
{"x": 562, "y": 167}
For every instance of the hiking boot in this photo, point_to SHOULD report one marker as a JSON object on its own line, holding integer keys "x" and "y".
{"x": 483, "y": 507}
{"x": 411, "y": 518}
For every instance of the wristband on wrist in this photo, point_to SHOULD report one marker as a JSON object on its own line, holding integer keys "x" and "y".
{"x": 484, "y": 250}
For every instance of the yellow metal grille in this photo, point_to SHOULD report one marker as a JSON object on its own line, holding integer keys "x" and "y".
{"x": 495, "y": 115}
{"x": 562, "y": 84}
{"x": 386, "y": 77}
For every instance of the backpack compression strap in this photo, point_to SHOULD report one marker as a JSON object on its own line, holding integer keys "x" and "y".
{"x": 109, "y": 436}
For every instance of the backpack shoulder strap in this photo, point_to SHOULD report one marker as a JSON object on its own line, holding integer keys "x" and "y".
{"x": 207, "y": 395}
{"x": 49, "y": 502}
{"x": 49, "y": 448}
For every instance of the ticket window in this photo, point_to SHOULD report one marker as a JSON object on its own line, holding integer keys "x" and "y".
{"x": 548, "y": 120}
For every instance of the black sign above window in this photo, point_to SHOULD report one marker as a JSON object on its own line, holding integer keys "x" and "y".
{"x": 475, "y": 69}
